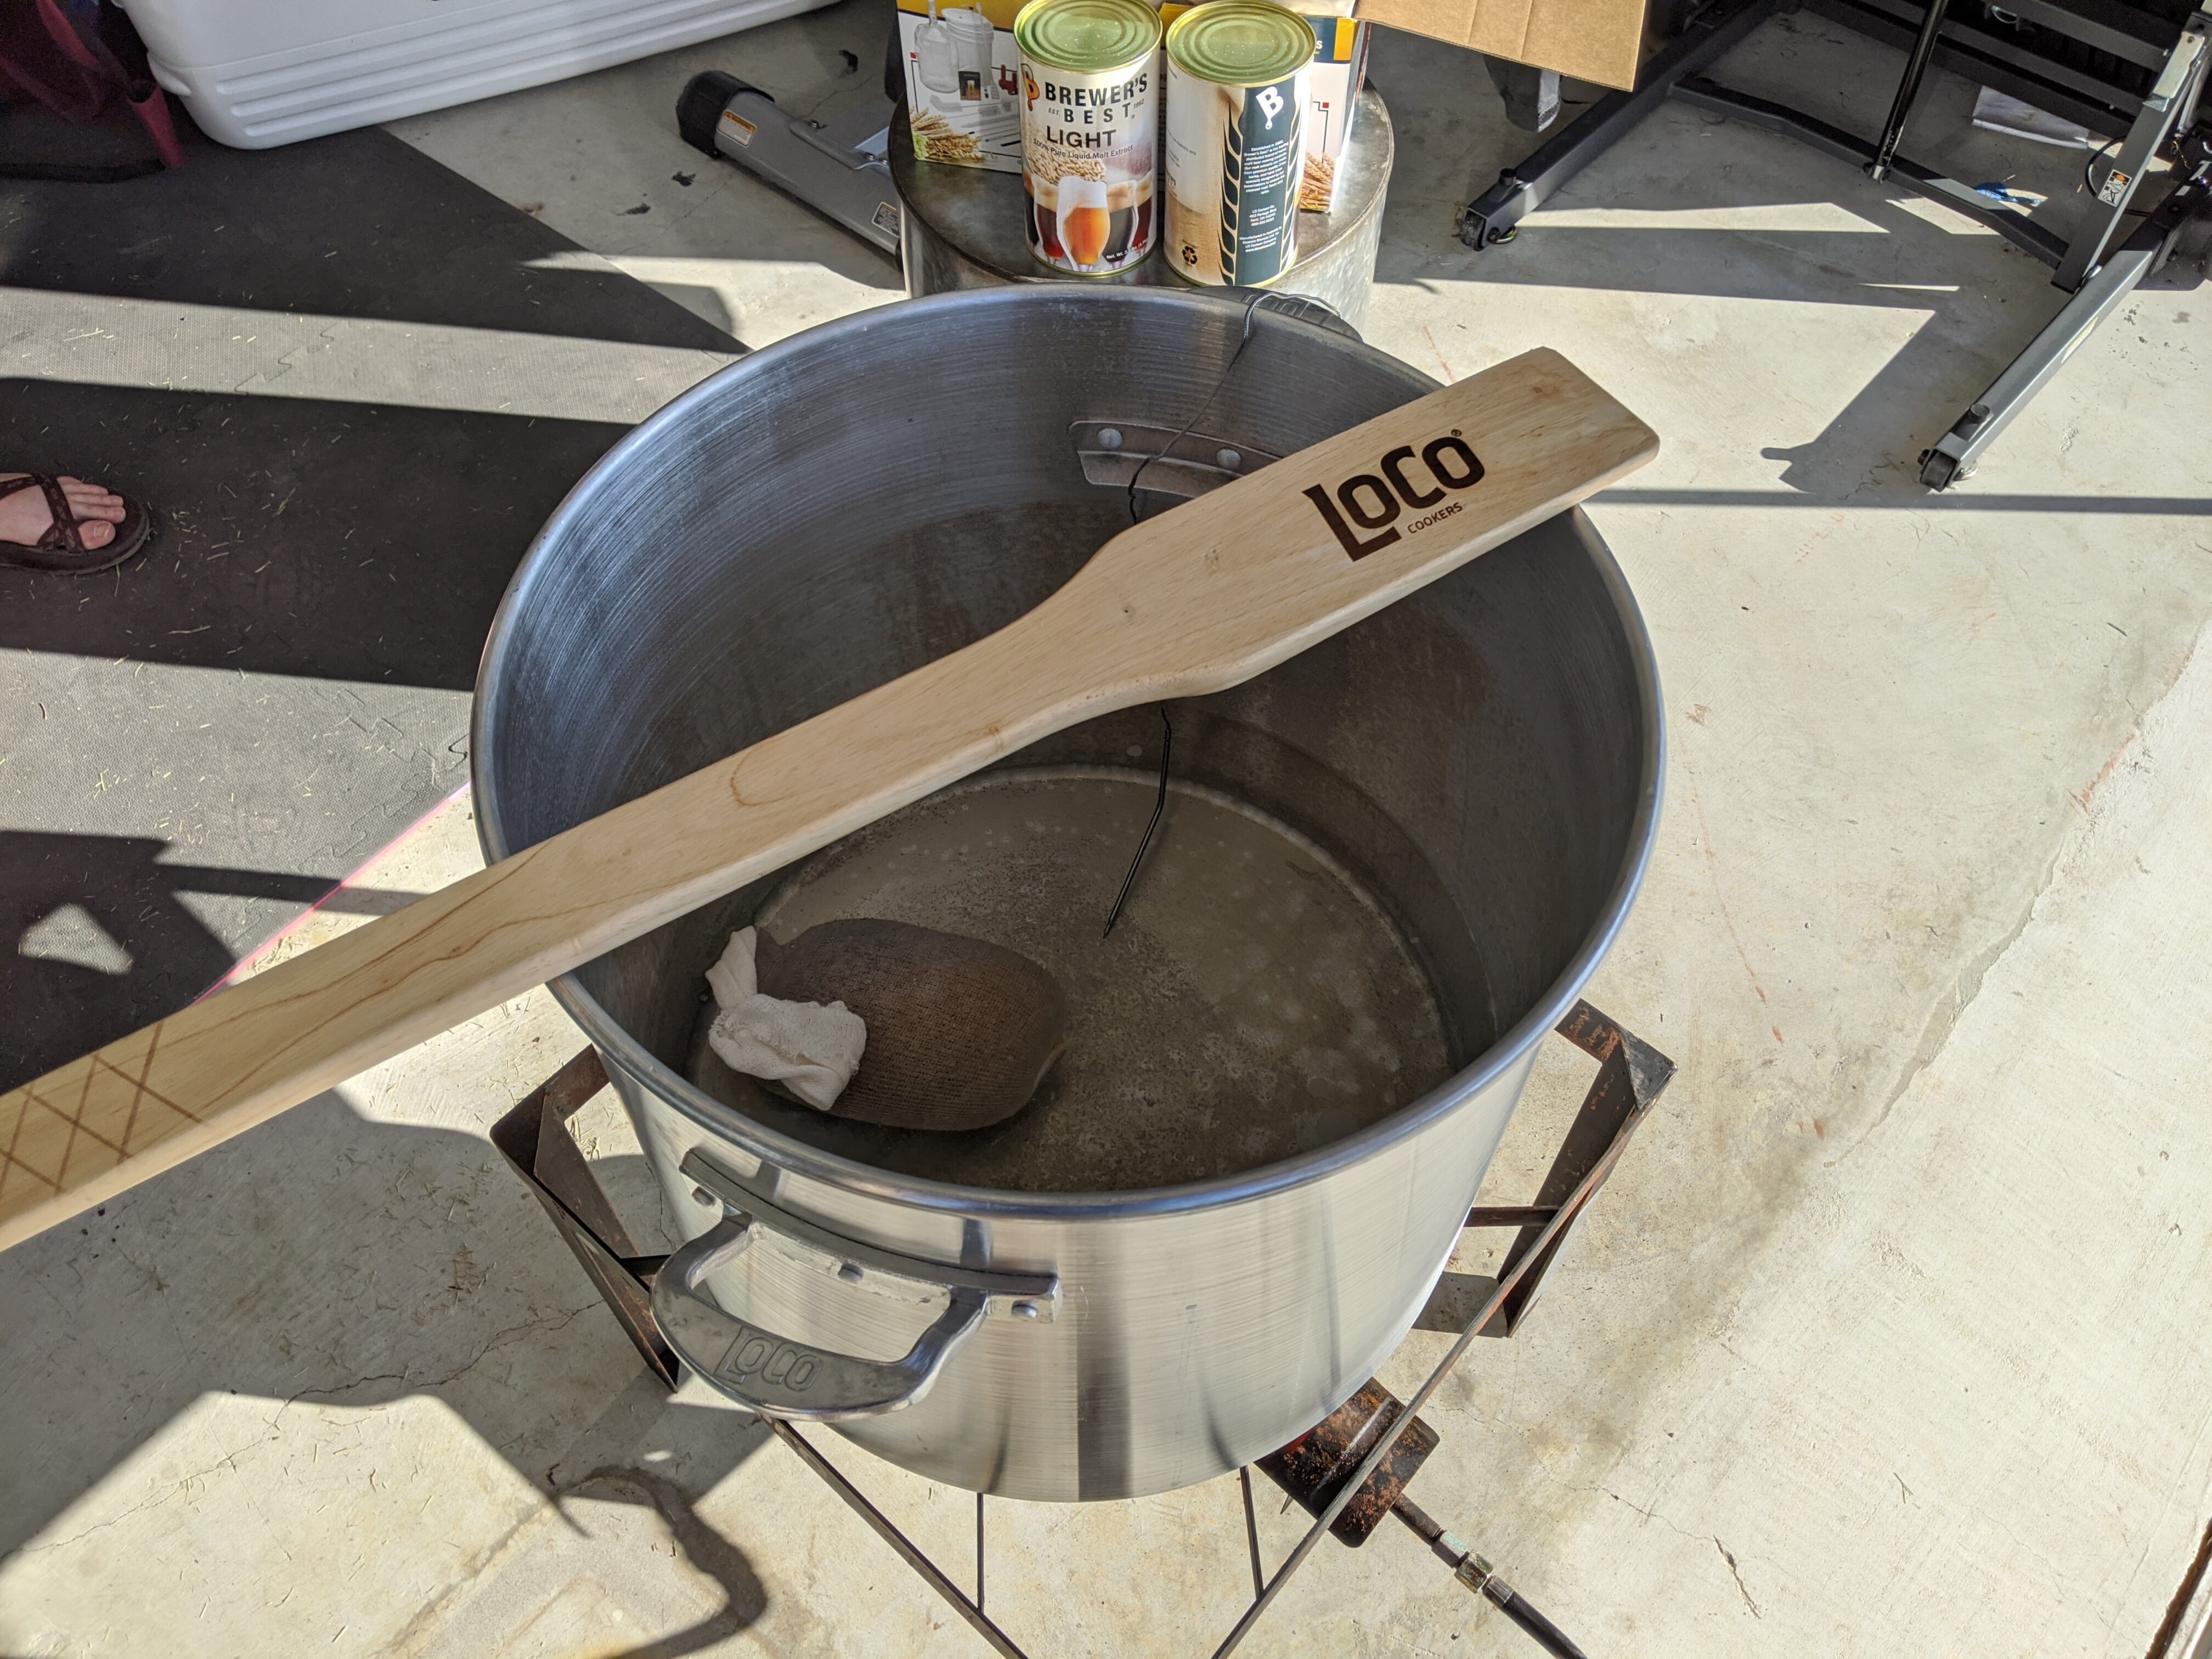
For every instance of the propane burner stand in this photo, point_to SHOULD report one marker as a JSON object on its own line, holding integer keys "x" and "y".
{"x": 1349, "y": 1471}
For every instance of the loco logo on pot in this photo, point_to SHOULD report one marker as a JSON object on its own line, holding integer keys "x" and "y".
{"x": 1375, "y": 502}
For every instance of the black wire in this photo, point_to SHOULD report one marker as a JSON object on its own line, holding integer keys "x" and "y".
{"x": 2088, "y": 167}
{"x": 1159, "y": 805}
{"x": 1135, "y": 516}
{"x": 1167, "y": 739}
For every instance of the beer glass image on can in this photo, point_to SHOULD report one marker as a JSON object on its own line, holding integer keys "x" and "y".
{"x": 1237, "y": 98}
{"x": 1090, "y": 73}
{"x": 1084, "y": 222}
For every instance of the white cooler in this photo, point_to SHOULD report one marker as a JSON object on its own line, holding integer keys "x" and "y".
{"x": 257, "y": 73}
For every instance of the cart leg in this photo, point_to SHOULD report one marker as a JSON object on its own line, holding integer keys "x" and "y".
{"x": 1954, "y": 454}
{"x": 2171, "y": 103}
{"x": 1521, "y": 188}
{"x": 1908, "y": 88}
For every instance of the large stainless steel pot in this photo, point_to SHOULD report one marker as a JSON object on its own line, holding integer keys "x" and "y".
{"x": 834, "y": 511}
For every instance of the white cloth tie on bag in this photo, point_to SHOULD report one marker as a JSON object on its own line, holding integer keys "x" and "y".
{"x": 811, "y": 1050}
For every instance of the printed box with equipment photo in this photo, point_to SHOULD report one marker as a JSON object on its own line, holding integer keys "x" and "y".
{"x": 963, "y": 82}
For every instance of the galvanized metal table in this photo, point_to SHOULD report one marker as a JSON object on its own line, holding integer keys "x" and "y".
{"x": 962, "y": 227}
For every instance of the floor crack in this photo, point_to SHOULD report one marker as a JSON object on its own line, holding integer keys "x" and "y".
{"x": 1648, "y": 1514}
{"x": 230, "y": 1459}
{"x": 498, "y": 1338}
{"x": 227, "y": 1459}
{"x": 1944, "y": 1018}
{"x": 1736, "y": 1573}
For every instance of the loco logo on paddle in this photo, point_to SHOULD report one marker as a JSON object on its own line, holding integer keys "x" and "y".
{"x": 1374, "y": 501}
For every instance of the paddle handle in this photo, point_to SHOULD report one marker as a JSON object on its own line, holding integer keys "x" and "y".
{"x": 1199, "y": 598}
{"x": 82, "y": 1134}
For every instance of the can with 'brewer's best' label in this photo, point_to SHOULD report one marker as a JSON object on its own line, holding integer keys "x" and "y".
{"x": 1090, "y": 72}
{"x": 1236, "y": 98}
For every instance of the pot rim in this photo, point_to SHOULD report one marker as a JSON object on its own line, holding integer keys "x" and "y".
{"x": 624, "y": 1053}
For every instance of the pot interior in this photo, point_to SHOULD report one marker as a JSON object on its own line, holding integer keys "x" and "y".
{"x": 1253, "y": 1002}
{"x": 1375, "y": 859}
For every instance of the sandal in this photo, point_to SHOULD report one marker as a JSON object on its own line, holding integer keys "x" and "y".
{"x": 62, "y": 547}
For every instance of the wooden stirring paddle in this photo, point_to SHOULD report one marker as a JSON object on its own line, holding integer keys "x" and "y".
{"x": 1197, "y": 600}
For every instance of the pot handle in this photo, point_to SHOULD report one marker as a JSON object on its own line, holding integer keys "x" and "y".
{"x": 777, "y": 1376}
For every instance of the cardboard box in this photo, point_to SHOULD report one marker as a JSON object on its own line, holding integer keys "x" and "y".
{"x": 962, "y": 86}
{"x": 977, "y": 121}
{"x": 1600, "y": 40}
{"x": 1340, "y": 68}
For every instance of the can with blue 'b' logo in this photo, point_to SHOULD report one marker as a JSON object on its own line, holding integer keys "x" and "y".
{"x": 1236, "y": 98}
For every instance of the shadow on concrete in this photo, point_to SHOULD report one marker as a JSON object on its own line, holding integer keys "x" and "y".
{"x": 710, "y": 1554}
{"x": 361, "y": 544}
{"x": 356, "y": 541}
{"x": 360, "y": 540}
{"x": 357, "y": 224}
{"x": 100, "y": 941}
{"x": 336, "y": 541}
{"x": 328, "y": 1259}
{"x": 1692, "y": 203}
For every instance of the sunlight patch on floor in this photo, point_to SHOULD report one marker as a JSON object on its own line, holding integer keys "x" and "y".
{"x": 164, "y": 346}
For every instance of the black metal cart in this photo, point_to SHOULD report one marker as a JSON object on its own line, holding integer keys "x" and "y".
{"x": 2132, "y": 71}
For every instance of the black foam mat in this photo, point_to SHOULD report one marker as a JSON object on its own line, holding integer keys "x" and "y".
{"x": 195, "y": 747}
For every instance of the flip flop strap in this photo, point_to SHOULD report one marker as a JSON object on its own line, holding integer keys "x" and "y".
{"x": 63, "y": 535}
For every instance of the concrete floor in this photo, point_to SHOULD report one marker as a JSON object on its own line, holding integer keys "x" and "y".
{"x": 1891, "y": 1333}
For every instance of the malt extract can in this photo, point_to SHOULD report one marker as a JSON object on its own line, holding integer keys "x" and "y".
{"x": 1237, "y": 98}
{"x": 1091, "y": 72}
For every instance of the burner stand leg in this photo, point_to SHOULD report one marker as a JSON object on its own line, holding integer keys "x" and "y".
{"x": 535, "y": 1139}
{"x": 1626, "y": 1063}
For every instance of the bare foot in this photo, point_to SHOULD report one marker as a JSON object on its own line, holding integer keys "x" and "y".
{"x": 25, "y": 516}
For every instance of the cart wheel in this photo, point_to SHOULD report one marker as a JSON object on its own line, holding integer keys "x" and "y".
{"x": 1475, "y": 232}
{"x": 1938, "y": 471}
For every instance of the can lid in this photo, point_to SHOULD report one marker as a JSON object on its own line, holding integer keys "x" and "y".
{"x": 1086, "y": 37}
{"x": 1241, "y": 43}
